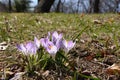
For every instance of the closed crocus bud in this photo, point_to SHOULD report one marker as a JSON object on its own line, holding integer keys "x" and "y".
{"x": 67, "y": 45}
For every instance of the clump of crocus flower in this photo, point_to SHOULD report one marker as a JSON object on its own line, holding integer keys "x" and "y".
{"x": 29, "y": 48}
{"x": 54, "y": 44}
{"x": 30, "y": 56}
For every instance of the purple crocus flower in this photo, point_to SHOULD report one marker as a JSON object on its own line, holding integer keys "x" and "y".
{"x": 31, "y": 47}
{"x": 57, "y": 39}
{"x": 28, "y": 48}
{"x": 67, "y": 45}
{"x": 44, "y": 42}
{"x": 51, "y": 48}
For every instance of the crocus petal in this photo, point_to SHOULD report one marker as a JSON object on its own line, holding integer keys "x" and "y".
{"x": 54, "y": 37}
{"x": 33, "y": 50}
{"x": 55, "y": 34}
{"x": 48, "y": 35}
{"x": 29, "y": 45}
{"x": 60, "y": 36}
{"x": 71, "y": 44}
{"x": 59, "y": 44}
{"x": 37, "y": 42}
{"x": 22, "y": 48}
{"x": 65, "y": 43}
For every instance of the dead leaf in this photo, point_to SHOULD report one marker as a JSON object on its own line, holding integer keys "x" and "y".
{"x": 114, "y": 69}
{"x": 82, "y": 15}
{"x": 46, "y": 73}
{"x": 9, "y": 72}
{"x": 97, "y": 21}
{"x": 90, "y": 57}
{"x": 82, "y": 41}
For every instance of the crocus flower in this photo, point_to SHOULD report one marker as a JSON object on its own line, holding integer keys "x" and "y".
{"x": 28, "y": 48}
{"x": 51, "y": 48}
{"x": 44, "y": 42}
{"x": 49, "y": 45}
{"x": 67, "y": 45}
{"x": 56, "y": 37}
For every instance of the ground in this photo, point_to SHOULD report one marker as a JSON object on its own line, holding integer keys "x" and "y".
{"x": 94, "y": 57}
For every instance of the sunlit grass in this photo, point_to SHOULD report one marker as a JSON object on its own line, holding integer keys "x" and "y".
{"x": 25, "y": 26}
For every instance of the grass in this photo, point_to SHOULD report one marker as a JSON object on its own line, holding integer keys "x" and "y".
{"x": 24, "y": 26}
{"x": 19, "y": 27}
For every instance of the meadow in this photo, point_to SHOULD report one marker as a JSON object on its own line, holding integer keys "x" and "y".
{"x": 95, "y": 55}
